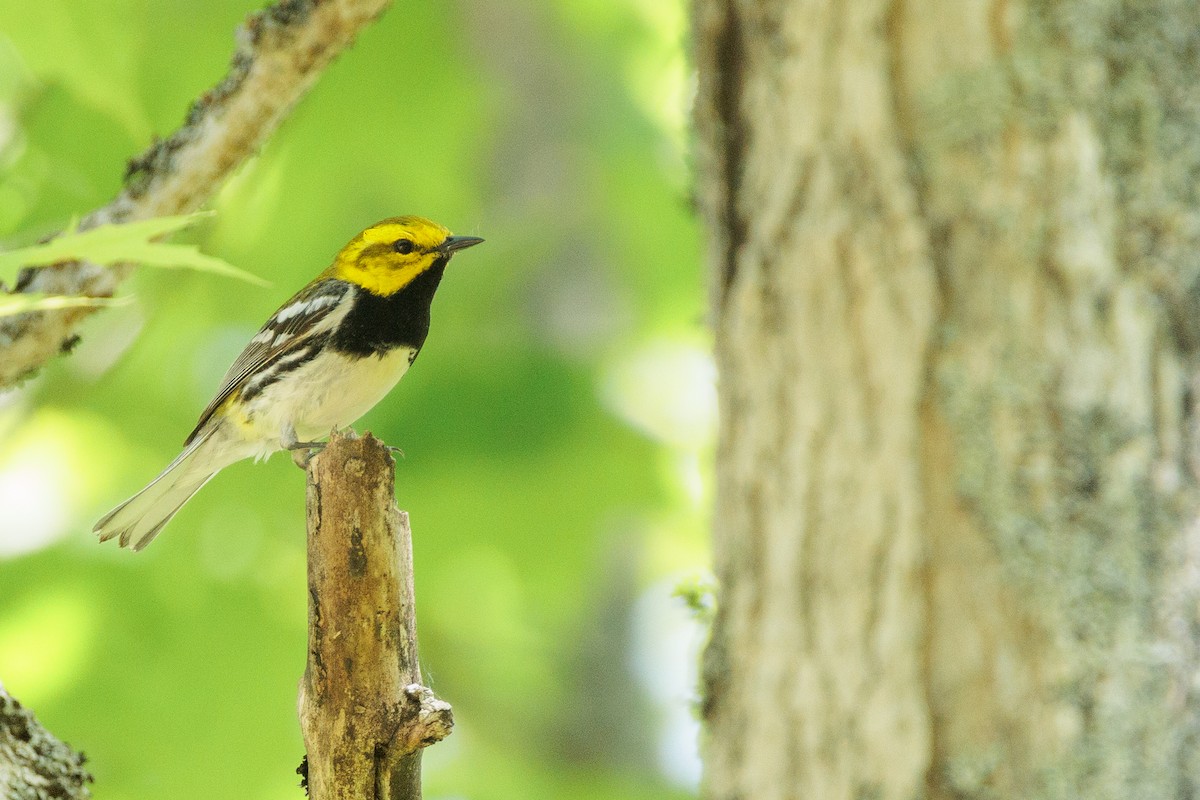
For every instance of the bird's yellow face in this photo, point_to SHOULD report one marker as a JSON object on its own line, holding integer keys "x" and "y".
{"x": 386, "y": 257}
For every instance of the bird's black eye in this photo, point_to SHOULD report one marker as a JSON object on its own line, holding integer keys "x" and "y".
{"x": 403, "y": 246}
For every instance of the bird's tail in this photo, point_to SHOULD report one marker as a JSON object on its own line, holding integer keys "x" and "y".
{"x": 140, "y": 518}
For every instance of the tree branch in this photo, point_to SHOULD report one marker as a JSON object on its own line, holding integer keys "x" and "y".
{"x": 34, "y": 765}
{"x": 281, "y": 52}
{"x": 364, "y": 714}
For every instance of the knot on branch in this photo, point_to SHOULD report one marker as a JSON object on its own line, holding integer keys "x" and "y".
{"x": 432, "y": 721}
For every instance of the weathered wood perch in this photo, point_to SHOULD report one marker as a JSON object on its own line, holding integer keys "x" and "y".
{"x": 364, "y": 714}
{"x": 34, "y": 765}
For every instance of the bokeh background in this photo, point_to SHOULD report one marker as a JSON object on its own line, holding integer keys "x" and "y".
{"x": 557, "y": 426}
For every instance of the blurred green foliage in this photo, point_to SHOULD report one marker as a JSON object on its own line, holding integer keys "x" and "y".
{"x": 138, "y": 241}
{"x": 557, "y": 426}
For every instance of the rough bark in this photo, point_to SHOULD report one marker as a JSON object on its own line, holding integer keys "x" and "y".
{"x": 34, "y": 765}
{"x": 281, "y": 52}
{"x": 364, "y": 714}
{"x": 953, "y": 250}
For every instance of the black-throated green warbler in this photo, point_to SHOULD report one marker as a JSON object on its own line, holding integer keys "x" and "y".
{"x": 320, "y": 362}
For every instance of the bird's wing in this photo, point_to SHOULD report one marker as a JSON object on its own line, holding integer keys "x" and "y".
{"x": 313, "y": 310}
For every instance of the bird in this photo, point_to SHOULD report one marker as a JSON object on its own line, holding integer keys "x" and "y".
{"x": 321, "y": 361}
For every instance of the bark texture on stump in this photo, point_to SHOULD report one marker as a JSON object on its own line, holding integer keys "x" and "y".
{"x": 34, "y": 765}
{"x": 364, "y": 714}
{"x": 954, "y": 259}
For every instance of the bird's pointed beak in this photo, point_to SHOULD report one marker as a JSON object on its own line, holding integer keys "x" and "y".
{"x": 454, "y": 243}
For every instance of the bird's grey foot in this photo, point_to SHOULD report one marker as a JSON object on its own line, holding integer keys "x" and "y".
{"x": 302, "y": 452}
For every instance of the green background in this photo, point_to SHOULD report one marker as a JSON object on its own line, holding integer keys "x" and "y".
{"x": 557, "y": 426}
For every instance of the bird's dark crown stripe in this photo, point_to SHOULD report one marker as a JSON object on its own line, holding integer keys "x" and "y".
{"x": 376, "y": 250}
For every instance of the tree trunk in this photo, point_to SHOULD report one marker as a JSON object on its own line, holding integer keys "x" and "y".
{"x": 954, "y": 257}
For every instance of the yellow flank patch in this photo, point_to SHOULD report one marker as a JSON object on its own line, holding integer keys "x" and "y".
{"x": 236, "y": 412}
{"x": 373, "y": 260}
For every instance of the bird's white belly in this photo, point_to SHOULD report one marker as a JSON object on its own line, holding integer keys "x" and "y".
{"x": 337, "y": 391}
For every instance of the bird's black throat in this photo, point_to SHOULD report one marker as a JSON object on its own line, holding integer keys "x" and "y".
{"x": 376, "y": 324}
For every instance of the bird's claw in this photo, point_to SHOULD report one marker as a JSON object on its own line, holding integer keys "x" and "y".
{"x": 303, "y": 452}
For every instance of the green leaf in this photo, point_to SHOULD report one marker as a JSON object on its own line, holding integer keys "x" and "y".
{"x": 127, "y": 242}
{"x": 11, "y": 304}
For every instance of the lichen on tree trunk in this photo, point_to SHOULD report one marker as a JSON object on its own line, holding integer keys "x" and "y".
{"x": 34, "y": 764}
{"x": 954, "y": 257}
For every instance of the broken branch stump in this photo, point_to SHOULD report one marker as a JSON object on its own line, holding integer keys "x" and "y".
{"x": 364, "y": 714}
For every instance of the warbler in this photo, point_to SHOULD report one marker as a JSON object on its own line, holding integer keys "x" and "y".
{"x": 325, "y": 358}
